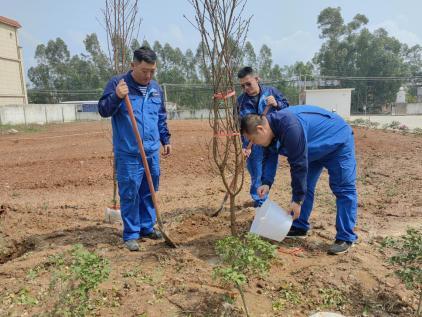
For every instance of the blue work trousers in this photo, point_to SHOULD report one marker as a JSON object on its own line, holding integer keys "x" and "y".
{"x": 136, "y": 206}
{"x": 341, "y": 166}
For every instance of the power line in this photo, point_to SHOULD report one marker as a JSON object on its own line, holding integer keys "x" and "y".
{"x": 208, "y": 86}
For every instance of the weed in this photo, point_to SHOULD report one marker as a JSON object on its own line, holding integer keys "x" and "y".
{"x": 409, "y": 261}
{"x": 76, "y": 277}
{"x": 131, "y": 273}
{"x": 289, "y": 296}
{"x": 417, "y": 131}
{"x": 4, "y": 128}
{"x": 394, "y": 125}
{"x": 332, "y": 298}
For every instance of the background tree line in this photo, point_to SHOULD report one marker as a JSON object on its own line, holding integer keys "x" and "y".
{"x": 374, "y": 63}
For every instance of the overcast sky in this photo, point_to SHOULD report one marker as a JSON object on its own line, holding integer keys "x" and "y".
{"x": 288, "y": 27}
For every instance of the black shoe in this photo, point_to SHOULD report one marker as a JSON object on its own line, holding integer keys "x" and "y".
{"x": 296, "y": 233}
{"x": 154, "y": 235}
{"x": 132, "y": 245}
{"x": 340, "y": 247}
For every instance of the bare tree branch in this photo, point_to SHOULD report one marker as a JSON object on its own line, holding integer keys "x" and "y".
{"x": 121, "y": 21}
{"x": 223, "y": 32}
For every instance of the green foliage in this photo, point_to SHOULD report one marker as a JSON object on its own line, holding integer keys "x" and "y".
{"x": 354, "y": 51}
{"x": 332, "y": 298}
{"x": 77, "y": 275}
{"x": 32, "y": 273}
{"x": 394, "y": 125}
{"x": 265, "y": 62}
{"x": 388, "y": 242}
{"x": 4, "y": 128}
{"x": 242, "y": 258}
{"x": 278, "y": 305}
{"x": 24, "y": 297}
{"x": 358, "y": 121}
{"x": 385, "y": 126}
{"x": 131, "y": 273}
{"x": 288, "y": 296}
{"x": 417, "y": 131}
{"x": 301, "y": 70}
{"x": 409, "y": 258}
{"x": 61, "y": 77}
{"x": 58, "y": 76}
{"x": 229, "y": 276}
{"x": 248, "y": 256}
{"x": 365, "y": 123}
{"x": 349, "y": 50}
{"x": 250, "y": 58}
{"x": 88, "y": 269}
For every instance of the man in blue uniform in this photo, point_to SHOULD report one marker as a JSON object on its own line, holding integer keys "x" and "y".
{"x": 147, "y": 100}
{"x": 311, "y": 138}
{"x": 253, "y": 100}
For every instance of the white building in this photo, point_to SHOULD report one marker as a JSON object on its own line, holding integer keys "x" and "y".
{"x": 336, "y": 100}
{"x": 12, "y": 80}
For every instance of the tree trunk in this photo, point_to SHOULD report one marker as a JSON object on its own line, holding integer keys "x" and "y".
{"x": 242, "y": 295}
{"x": 233, "y": 215}
{"x": 420, "y": 304}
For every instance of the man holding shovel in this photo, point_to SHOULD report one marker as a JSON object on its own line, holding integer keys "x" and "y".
{"x": 147, "y": 100}
{"x": 312, "y": 139}
{"x": 254, "y": 100}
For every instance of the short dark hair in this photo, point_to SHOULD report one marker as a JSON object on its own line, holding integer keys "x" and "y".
{"x": 249, "y": 123}
{"x": 145, "y": 54}
{"x": 245, "y": 71}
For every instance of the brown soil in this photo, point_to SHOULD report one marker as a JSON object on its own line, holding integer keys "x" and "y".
{"x": 56, "y": 183}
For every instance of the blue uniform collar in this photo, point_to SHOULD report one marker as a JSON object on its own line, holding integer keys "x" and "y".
{"x": 151, "y": 90}
{"x": 276, "y": 130}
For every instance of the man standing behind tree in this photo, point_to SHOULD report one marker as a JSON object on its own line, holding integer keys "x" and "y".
{"x": 147, "y": 100}
{"x": 253, "y": 100}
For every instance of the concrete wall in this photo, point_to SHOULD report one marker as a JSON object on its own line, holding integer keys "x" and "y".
{"x": 339, "y": 100}
{"x": 414, "y": 108}
{"x": 411, "y": 121}
{"x": 188, "y": 114}
{"x": 37, "y": 114}
{"x": 12, "y": 115}
{"x": 406, "y": 108}
{"x": 88, "y": 116}
{"x": 56, "y": 113}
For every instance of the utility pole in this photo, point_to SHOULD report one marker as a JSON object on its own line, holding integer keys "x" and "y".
{"x": 165, "y": 92}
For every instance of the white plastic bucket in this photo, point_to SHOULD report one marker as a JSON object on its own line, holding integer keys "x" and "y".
{"x": 271, "y": 221}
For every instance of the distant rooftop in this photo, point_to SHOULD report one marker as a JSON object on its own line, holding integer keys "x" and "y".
{"x": 10, "y": 22}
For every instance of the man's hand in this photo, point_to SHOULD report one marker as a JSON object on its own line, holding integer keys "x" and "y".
{"x": 166, "y": 150}
{"x": 271, "y": 101}
{"x": 263, "y": 190}
{"x": 295, "y": 208}
{"x": 122, "y": 89}
{"x": 246, "y": 152}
